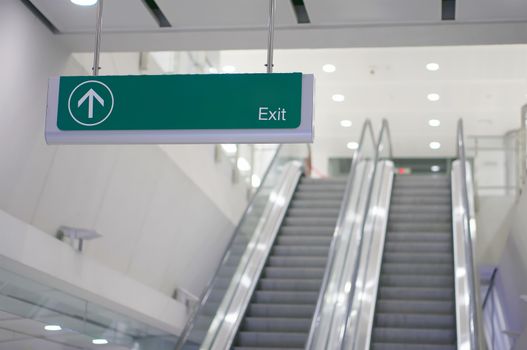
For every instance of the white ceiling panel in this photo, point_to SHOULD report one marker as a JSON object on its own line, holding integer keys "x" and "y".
{"x": 118, "y": 15}
{"x": 491, "y": 10}
{"x": 360, "y": 11}
{"x": 227, "y": 13}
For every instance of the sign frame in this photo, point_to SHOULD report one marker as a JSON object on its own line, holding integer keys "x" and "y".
{"x": 304, "y": 133}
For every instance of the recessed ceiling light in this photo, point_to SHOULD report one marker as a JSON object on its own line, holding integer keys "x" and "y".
{"x": 256, "y": 181}
{"x": 329, "y": 68}
{"x": 435, "y": 168}
{"x": 229, "y": 69}
{"x": 99, "y": 341}
{"x": 346, "y": 123}
{"x": 229, "y": 148}
{"x": 352, "y": 145}
{"x": 432, "y": 66}
{"x": 243, "y": 164}
{"x": 434, "y": 122}
{"x": 84, "y": 2}
{"x": 53, "y": 327}
{"x": 213, "y": 70}
{"x": 435, "y": 145}
{"x": 433, "y": 97}
{"x": 338, "y": 98}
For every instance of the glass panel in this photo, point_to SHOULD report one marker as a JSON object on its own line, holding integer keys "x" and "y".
{"x": 37, "y": 305}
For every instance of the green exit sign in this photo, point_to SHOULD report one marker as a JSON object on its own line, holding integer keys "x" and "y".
{"x": 211, "y": 108}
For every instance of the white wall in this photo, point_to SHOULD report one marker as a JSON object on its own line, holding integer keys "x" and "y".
{"x": 149, "y": 210}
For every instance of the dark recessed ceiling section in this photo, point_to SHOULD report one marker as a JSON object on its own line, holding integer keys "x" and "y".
{"x": 156, "y": 12}
{"x": 300, "y": 9}
{"x": 448, "y": 10}
{"x": 45, "y": 21}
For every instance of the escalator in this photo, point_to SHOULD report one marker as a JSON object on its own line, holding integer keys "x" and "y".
{"x": 415, "y": 306}
{"x": 282, "y": 306}
{"x": 375, "y": 261}
{"x": 417, "y": 285}
{"x": 286, "y": 257}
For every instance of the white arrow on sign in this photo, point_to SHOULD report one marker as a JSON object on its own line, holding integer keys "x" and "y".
{"x": 90, "y": 95}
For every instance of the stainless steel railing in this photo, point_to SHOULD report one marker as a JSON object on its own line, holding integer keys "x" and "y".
{"x": 333, "y": 302}
{"x": 472, "y": 276}
{"x": 361, "y": 303}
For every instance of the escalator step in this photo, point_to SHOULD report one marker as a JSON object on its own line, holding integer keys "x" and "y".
{"x": 419, "y": 237}
{"x": 417, "y": 269}
{"x": 300, "y": 251}
{"x": 280, "y": 311}
{"x": 288, "y": 231}
{"x": 424, "y": 281}
{"x": 289, "y": 284}
{"x": 272, "y": 339}
{"x": 415, "y": 307}
{"x": 396, "y": 346}
{"x": 406, "y": 293}
{"x": 414, "y": 336}
{"x": 418, "y": 258}
{"x": 283, "y": 297}
{"x": 285, "y": 325}
{"x": 293, "y": 273}
{"x": 402, "y": 320}
{"x": 418, "y": 247}
{"x": 302, "y": 261}
{"x": 309, "y": 240}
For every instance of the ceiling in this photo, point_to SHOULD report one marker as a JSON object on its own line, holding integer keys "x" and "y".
{"x": 484, "y": 84}
{"x": 241, "y": 24}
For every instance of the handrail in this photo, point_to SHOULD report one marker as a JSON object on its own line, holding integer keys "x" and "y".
{"x": 205, "y": 295}
{"x": 468, "y": 246}
{"x": 385, "y": 130}
{"x": 367, "y": 127}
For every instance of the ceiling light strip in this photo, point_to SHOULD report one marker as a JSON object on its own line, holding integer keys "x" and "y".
{"x": 302, "y": 17}
{"x": 45, "y": 21}
{"x": 448, "y": 10}
{"x": 155, "y": 11}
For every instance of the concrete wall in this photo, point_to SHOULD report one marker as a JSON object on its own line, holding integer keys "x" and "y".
{"x": 158, "y": 224}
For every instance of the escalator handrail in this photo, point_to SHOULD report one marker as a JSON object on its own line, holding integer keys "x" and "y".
{"x": 469, "y": 244}
{"x": 379, "y": 147}
{"x": 385, "y": 129}
{"x": 205, "y": 296}
{"x": 367, "y": 130}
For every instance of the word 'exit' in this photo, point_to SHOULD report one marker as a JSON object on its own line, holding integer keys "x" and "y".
{"x": 264, "y": 113}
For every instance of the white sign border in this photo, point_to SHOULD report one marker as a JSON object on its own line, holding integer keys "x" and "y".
{"x": 303, "y": 134}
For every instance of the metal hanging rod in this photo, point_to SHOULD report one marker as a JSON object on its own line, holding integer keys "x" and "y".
{"x": 270, "y": 42}
{"x": 98, "y": 29}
